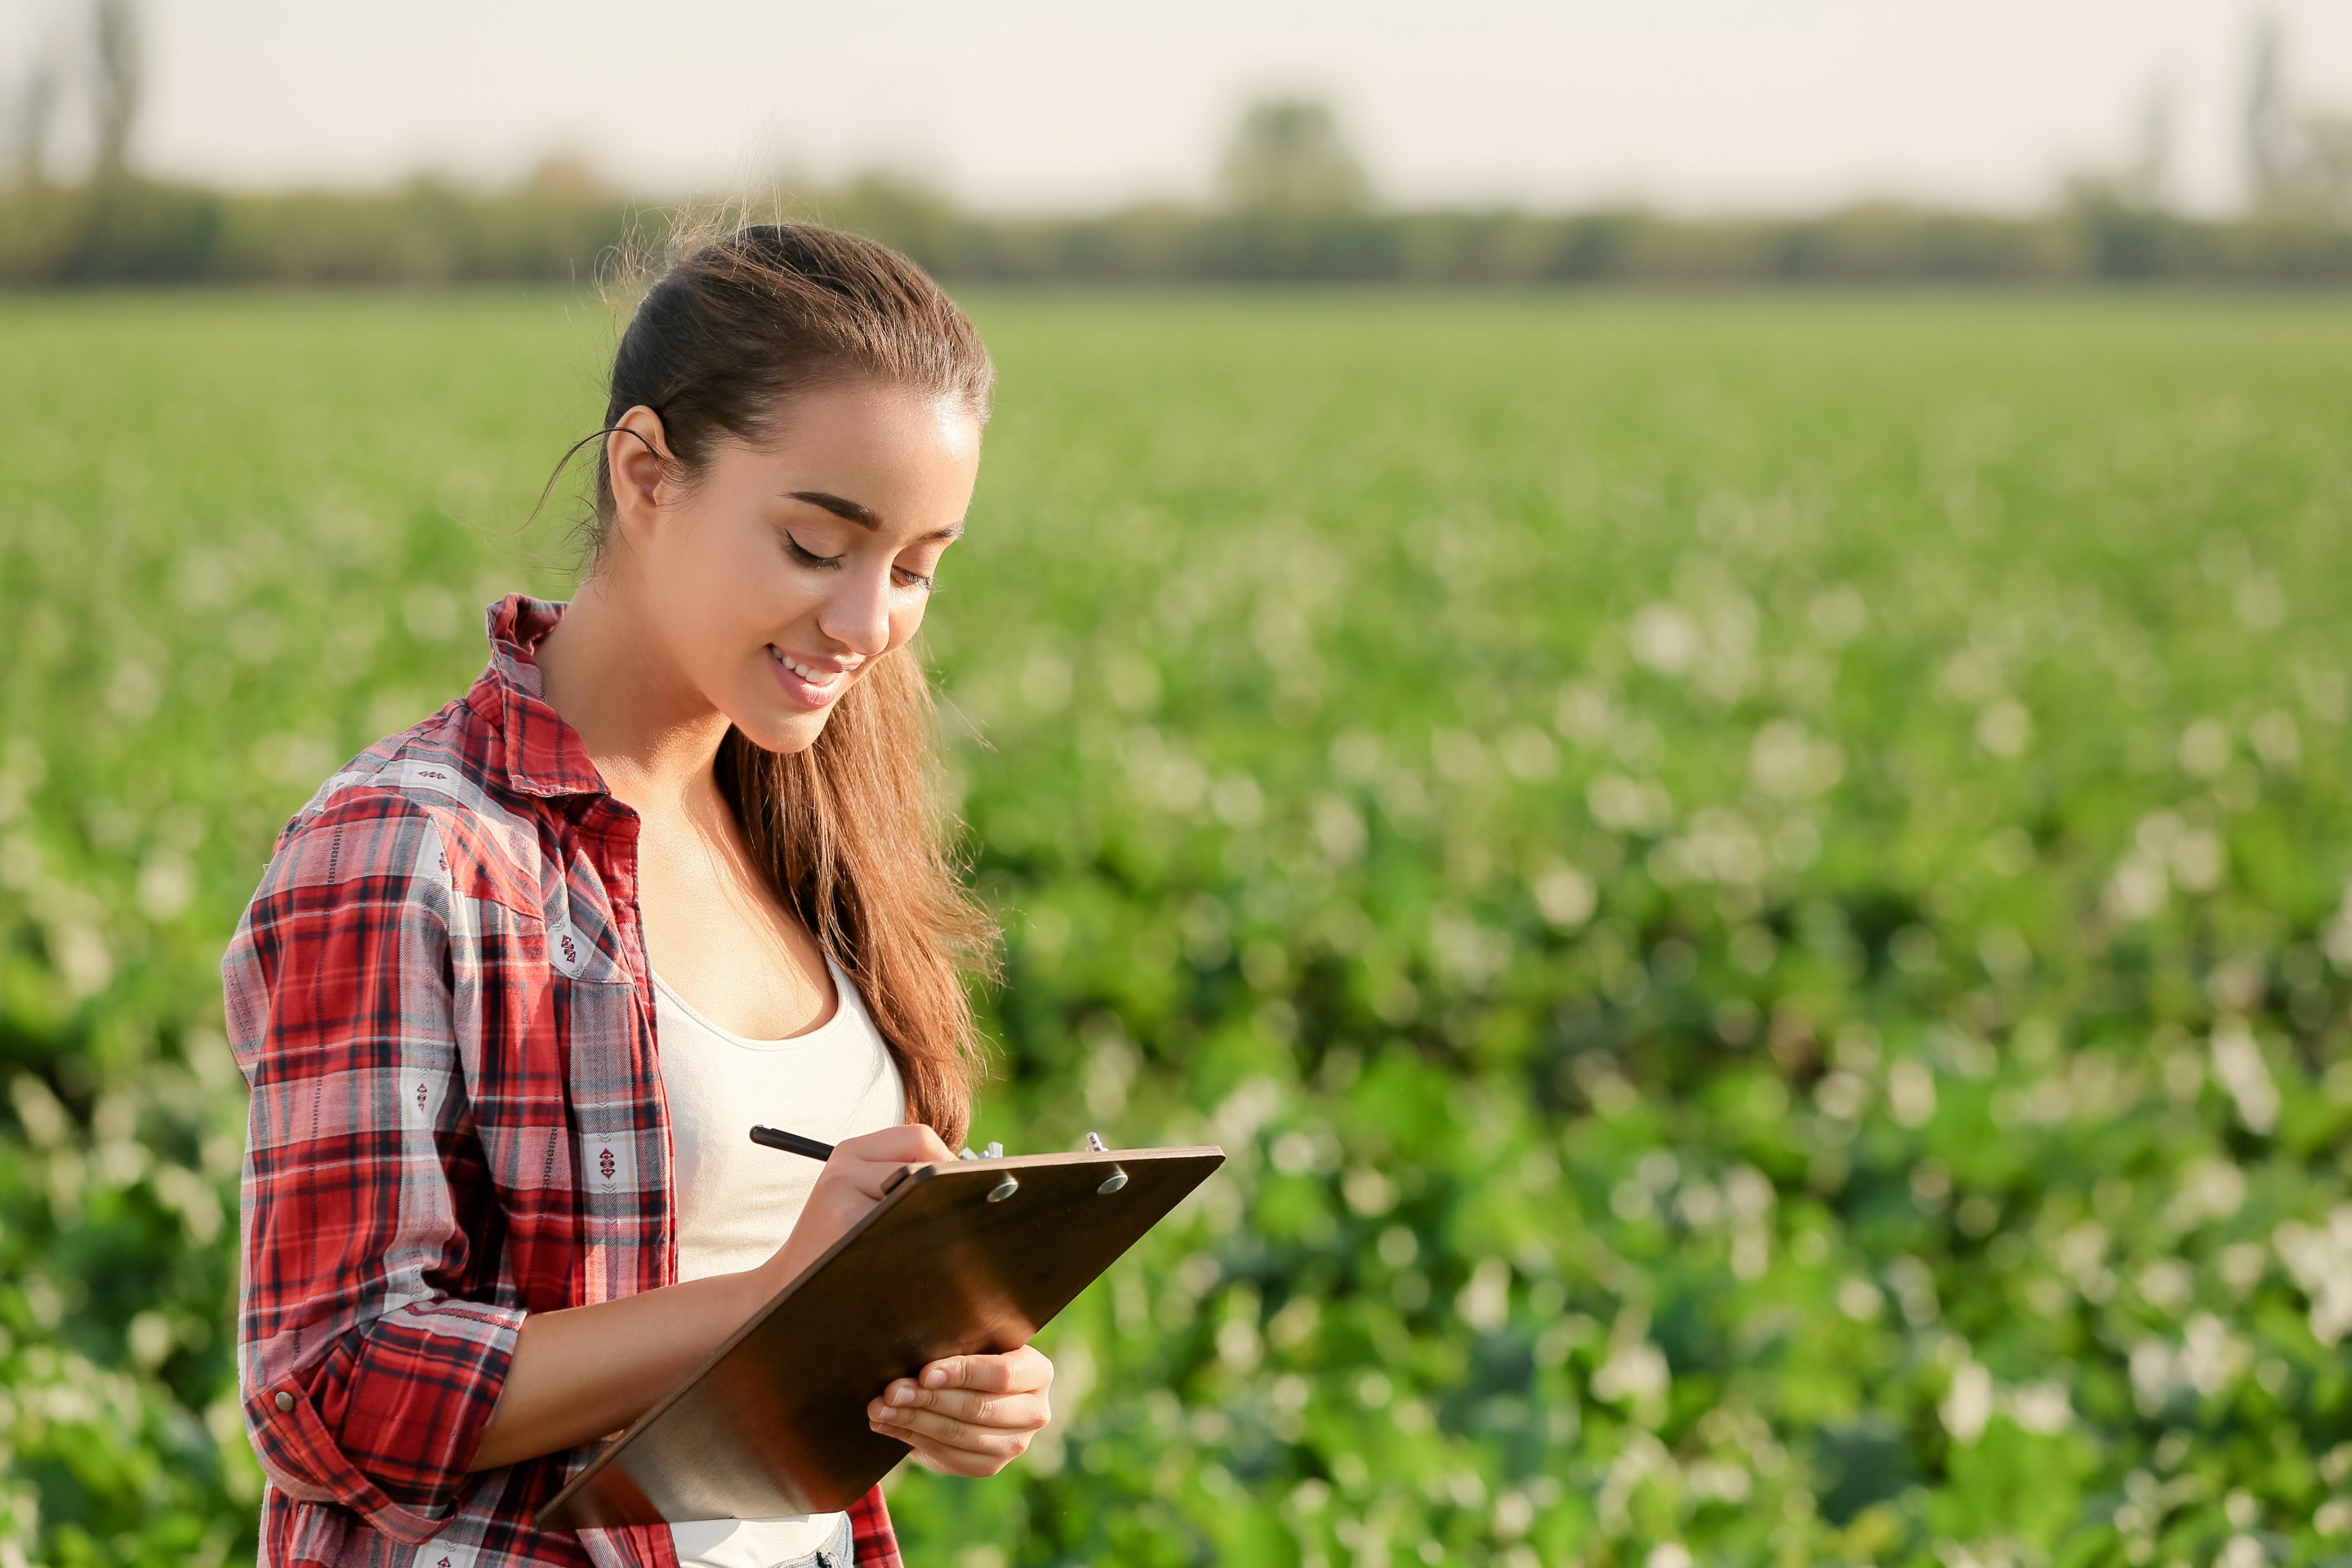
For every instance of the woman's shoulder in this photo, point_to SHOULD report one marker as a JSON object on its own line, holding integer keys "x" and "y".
{"x": 418, "y": 804}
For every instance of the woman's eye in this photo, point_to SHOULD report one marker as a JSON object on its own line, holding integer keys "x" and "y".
{"x": 913, "y": 579}
{"x": 806, "y": 556}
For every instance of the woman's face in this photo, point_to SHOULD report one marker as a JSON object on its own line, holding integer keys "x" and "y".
{"x": 792, "y": 566}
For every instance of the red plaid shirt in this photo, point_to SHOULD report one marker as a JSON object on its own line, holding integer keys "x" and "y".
{"x": 440, "y": 999}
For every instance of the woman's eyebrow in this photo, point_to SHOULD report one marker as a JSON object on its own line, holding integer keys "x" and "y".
{"x": 864, "y": 517}
{"x": 840, "y": 506}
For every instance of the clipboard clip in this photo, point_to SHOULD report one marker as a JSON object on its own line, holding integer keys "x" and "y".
{"x": 1116, "y": 1178}
{"x": 1113, "y": 1180}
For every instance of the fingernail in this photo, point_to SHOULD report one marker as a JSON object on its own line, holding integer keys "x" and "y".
{"x": 936, "y": 1377}
{"x": 902, "y": 1395}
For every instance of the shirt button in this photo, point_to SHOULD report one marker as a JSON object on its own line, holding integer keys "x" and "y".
{"x": 285, "y": 1400}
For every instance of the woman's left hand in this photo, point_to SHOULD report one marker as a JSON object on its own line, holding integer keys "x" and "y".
{"x": 968, "y": 1414}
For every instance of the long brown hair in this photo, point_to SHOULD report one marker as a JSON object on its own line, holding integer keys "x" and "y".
{"x": 855, "y": 832}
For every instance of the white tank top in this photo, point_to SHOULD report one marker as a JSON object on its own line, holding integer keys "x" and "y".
{"x": 736, "y": 1200}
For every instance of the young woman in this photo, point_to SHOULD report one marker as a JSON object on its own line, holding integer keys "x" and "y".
{"x": 518, "y": 980}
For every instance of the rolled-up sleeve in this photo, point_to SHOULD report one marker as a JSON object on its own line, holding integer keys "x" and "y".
{"x": 349, "y": 989}
{"x": 873, "y": 1542}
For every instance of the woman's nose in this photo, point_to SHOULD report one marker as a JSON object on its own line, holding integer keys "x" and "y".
{"x": 858, "y": 614}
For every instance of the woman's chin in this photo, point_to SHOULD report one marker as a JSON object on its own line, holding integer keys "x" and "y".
{"x": 786, "y": 731}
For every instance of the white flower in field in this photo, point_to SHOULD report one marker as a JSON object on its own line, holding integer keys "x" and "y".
{"x": 1337, "y": 829}
{"x": 2041, "y": 1406}
{"x": 2167, "y": 1284}
{"x": 165, "y": 885}
{"x": 2241, "y": 1552}
{"x": 1565, "y": 895}
{"x": 2137, "y": 888}
{"x": 2241, "y": 1266}
{"x": 2199, "y": 860}
{"x": 1786, "y": 760}
{"x": 2238, "y": 1064}
{"x": 1665, "y": 639}
{"x": 1583, "y": 714}
{"x": 1237, "y": 800}
{"x": 2320, "y": 1259}
{"x": 2336, "y": 941}
{"x": 1747, "y": 1190}
{"x": 1368, "y": 1192}
{"x": 2209, "y": 1188}
{"x": 1719, "y": 1480}
{"x": 1970, "y": 675}
{"x": 1968, "y": 1405}
{"x": 1465, "y": 950}
{"x": 2236, "y": 985}
{"x": 1134, "y": 684}
{"x": 1635, "y": 1372}
{"x": 1911, "y": 1092}
{"x": 1356, "y": 754}
{"x": 1529, "y": 753}
{"x": 2204, "y": 749}
{"x": 2211, "y": 1355}
{"x": 2261, "y": 604}
{"x": 2004, "y": 729}
{"x": 1459, "y": 755}
{"x": 1721, "y": 847}
{"x": 1860, "y": 1300}
{"x": 1668, "y": 1554}
{"x": 2080, "y": 1249}
{"x": 1485, "y": 1300}
{"x": 1622, "y": 804}
{"x": 2275, "y": 739}
{"x": 1842, "y": 1095}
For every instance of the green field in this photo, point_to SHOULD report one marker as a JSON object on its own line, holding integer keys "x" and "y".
{"x": 1756, "y": 889}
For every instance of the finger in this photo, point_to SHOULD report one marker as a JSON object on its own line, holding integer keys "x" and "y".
{"x": 1028, "y": 1367}
{"x": 1022, "y": 1410}
{"x": 935, "y": 1428}
{"x": 988, "y": 1374}
{"x": 940, "y": 1431}
{"x": 909, "y": 1143}
{"x": 1023, "y": 1369}
{"x": 955, "y": 1461}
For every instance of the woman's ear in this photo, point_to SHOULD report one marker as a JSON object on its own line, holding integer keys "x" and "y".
{"x": 635, "y": 450}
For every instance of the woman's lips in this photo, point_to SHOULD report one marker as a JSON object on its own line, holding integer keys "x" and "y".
{"x": 805, "y": 692}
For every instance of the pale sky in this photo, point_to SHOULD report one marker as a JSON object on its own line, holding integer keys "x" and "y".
{"x": 1050, "y": 105}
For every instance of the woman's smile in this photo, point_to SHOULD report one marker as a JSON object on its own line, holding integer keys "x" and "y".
{"x": 799, "y": 687}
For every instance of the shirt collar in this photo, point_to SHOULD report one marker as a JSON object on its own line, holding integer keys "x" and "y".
{"x": 544, "y": 756}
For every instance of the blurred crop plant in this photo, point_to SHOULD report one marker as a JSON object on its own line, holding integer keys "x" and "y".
{"x": 1756, "y": 895}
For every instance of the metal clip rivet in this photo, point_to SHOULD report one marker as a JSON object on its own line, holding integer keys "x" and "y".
{"x": 1112, "y": 1183}
{"x": 1004, "y": 1190}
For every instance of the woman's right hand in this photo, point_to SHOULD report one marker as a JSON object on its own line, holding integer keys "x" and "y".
{"x": 851, "y": 1183}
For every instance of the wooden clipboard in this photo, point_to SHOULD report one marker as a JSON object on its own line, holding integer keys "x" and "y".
{"x": 952, "y": 1261}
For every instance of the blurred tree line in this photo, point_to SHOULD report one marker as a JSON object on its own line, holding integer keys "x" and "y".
{"x": 1294, "y": 204}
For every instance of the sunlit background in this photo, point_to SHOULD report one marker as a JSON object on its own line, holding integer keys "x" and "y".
{"x": 1679, "y": 667}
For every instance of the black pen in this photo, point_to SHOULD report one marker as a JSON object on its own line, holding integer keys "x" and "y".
{"x": 791, "y": 1143}
{"x": 814, "y": 1148}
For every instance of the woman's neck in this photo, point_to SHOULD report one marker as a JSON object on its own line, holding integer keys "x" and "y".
{"x": 651, "y": 735}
